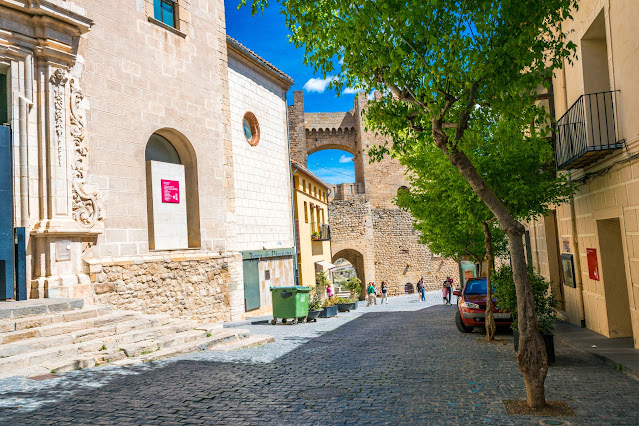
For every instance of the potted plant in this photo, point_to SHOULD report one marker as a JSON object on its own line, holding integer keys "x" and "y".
{"x": 504, "y": 291}
{"x": 345, "y": 304}
{"x": 315, "y": 236}
{"x": 314, "y": 309}
{"x": 329, "y": 308}
{"x": 353, "y": 285}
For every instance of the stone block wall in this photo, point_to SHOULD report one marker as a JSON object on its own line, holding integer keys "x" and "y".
{"x": 296, "y": 131}
{"x": 263, "y": 212}
{"x": 202, "y": 286}
{"x": 382, "y": 245}
{"x": 399, "y": 256}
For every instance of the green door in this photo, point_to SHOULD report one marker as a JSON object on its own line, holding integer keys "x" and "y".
{"x": 251, "y": 284}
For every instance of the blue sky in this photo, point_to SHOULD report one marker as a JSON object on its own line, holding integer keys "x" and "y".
{"x": 266, "y": 35}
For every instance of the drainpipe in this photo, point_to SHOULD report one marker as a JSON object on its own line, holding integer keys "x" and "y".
{"x": 288, "y": 138}
{"x": 578, "y": 277}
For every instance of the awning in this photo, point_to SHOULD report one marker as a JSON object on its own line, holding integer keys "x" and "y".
{"x": 323, "y": 265}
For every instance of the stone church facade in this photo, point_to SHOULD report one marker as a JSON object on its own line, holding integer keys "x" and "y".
{"x": 367, "y": 228}
{"x": 99, "y": 93}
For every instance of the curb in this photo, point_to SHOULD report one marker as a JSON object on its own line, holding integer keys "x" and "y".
{"x": 606, "y": 360}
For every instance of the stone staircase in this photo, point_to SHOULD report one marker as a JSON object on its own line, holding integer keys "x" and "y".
{"x": 54, "y": 336}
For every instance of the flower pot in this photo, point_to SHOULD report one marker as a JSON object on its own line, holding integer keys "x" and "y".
{"x": 345, "y": 307}
{"x": 328, "y": 312}
{"x": 357, "y": 304}
{"x": 549, "y": 342}
{"x": 312, "y": 315}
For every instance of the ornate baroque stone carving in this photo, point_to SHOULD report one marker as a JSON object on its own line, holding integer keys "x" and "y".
{"x": 59, "y": 80}
{"x": 87, "y": 206}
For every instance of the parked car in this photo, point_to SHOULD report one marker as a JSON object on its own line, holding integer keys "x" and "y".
{"x": 471, "y": 303}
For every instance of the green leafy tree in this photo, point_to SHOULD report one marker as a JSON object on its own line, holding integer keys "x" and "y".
{"x": 353, "y": 285}
{"x": 450, "y": 217}
{"x": 440, "y": 65}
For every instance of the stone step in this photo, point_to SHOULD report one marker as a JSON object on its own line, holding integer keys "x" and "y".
{"x": 45, "y": 358}
{"x": 34, "y": 307}
{"x": 70, "y": 327}
{"x": 252, "y": 340}
{"x": 128, "y": 323}
{"x": 202, "y": 344}
{"x": 25, "y": 323}
{"x": 134, "y": 336}
{"x": 71, "y": 357}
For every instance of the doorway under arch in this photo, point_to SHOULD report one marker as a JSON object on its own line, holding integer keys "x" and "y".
{"x": 172, "y": 147}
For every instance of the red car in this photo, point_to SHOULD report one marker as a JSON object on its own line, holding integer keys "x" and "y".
{"x": 471, "y": 302}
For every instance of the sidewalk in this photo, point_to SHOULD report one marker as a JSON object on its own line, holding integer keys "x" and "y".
{"x": 618, "y": 352}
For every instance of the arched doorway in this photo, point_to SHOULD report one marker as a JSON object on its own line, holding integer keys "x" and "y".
{"x": 354, "y": 258}
{"x": 173, "y": 208}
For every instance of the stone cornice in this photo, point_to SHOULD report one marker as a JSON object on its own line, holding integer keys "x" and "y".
{"x": 48, "y": 27}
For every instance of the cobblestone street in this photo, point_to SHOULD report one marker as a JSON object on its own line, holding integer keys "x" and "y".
{"x": 392, "y": 364}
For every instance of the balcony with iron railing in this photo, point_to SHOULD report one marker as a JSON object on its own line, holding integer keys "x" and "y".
{"x": 587, "y": 131}
{"x": 321, "y": 232}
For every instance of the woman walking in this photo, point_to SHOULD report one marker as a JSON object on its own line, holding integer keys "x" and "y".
{"x": 384, "y": 292}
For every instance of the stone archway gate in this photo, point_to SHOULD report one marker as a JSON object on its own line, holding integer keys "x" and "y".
{"x": 362, "y": 215}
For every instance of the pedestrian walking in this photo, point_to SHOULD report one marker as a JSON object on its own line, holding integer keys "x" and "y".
{"x": 384, "y": 292}
{"x": 329, "y": 291}
{"x": 372, "y": 294}
{"x": 449, "y": 286}
{"x": 420, "y": 284}
{"x": 445, "y": 292}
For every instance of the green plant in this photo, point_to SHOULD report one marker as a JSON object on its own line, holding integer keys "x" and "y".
{"x": 208, "y": 334}
{"x": 321, "y": 282}
{"x": 354, "y": 286}
{"x": 504, "y": 291}
{"x": 315, "y": 305}
{"x": 315, "y": 235}
{"x": 330, "y": 301}
{"x": 103, "y": 348}
{"x": 344, "y": 300}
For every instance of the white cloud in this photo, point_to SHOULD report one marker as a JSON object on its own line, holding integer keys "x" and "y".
{"x": 341, "y": 60}
{"x": 345, "y": 159}
{"x": 318, "y": 85}
{"x": 349, "y": 91}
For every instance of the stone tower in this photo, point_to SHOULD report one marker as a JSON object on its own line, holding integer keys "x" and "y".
{"x": 367, "y": 228}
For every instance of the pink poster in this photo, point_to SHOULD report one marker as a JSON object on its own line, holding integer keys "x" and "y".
{"x": 593, "y": 265}
{"x": 170, "y": 191}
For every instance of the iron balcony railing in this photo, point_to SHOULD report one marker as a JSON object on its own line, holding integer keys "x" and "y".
{"x": 321, "y": 232}
{"x": 587, "y": 131}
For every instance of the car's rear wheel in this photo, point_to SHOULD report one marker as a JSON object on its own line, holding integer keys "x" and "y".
{"x": 460, "y": 325}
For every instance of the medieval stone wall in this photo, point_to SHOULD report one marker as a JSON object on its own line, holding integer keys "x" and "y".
{"x": 400, "y": 258}
{"x": 367, "y": 228}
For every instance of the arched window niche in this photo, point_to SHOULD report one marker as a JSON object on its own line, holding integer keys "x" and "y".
{"x": 173, "y": 207}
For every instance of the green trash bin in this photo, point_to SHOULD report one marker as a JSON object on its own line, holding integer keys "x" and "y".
{"x": 290, "y": 303}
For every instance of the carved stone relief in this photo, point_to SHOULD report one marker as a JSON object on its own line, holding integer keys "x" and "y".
{"x": 59, "y": 80}
{"x": 87, "y": 206}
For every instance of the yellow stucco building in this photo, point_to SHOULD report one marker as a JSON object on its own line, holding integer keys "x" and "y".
{"x": 589, "y": 247}
{"x": 311, "y": 220}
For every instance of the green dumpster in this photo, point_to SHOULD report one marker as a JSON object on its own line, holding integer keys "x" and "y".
{"x": 290, "y": 302}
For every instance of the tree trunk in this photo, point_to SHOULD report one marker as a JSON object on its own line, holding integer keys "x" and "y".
{"x": 531, "y": 357}
{"x": 490, "y": 265}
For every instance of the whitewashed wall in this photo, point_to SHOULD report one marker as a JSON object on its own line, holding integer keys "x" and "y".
{"x": 262, "y": 173}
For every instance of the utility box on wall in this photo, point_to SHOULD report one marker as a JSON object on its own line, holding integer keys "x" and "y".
{"x": 166, "y": 206}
